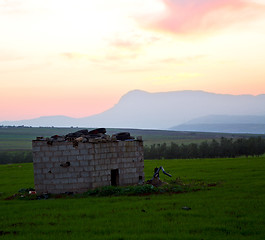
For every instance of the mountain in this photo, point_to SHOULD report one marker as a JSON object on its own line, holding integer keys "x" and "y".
{"x": 225, "y": 124}
{"x": 46, "y": 121}
{"x": 228, "y": 119}
{"x": 140, "y": 109}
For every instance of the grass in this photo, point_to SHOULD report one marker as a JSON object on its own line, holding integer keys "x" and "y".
{"x": 234, "y": 209}
{"x": 19, "y": 138}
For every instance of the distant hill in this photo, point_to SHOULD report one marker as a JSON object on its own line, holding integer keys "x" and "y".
{"x": 228, "y": 119}
{"x": 225, "y": 124}
{"x": 140, "y": 109}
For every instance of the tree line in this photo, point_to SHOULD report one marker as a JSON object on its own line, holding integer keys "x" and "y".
{"x": 223, "y": 148}
{"x": 19, "y": 156}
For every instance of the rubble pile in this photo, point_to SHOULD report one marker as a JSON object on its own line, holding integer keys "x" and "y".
{"x": 93, "y": 136}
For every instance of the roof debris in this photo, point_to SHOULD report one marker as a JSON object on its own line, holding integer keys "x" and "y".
{"x": 93, "y": 136}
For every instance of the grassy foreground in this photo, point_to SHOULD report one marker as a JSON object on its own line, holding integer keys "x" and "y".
{"x": 234, "y": 209}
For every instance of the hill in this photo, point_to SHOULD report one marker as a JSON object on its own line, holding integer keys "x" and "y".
{"x": 225, "y": 124}
{"x": 140, "y": 109}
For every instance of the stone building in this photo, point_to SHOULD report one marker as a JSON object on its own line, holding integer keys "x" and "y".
{"x": 66, "y": 167}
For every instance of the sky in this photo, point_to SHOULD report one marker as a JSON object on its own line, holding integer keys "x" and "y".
{"x": 78, "y": 57}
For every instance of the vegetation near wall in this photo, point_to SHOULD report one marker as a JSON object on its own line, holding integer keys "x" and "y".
{"x": 226, "y": 147}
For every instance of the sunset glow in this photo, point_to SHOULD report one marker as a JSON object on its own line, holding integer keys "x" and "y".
{"x": 77, "y": 58}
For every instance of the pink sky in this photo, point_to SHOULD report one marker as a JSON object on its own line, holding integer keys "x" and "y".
{"x": 77, "y": 58}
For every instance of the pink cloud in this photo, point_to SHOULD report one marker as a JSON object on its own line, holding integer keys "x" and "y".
{"x": 202, "y": 16}
{"x": 125, "y": 43}
{"x": 180, "y": 61}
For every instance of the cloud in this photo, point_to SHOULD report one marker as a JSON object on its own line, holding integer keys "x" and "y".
{"x": 132, "y": 41}
{"x": 118, "y": 48}
{"x": 186, "y": 17}
{"x": 6, "y": 56}
{"x": 13, "y": 7}
{"x": 183, "y": 60}
{"x": 73, "y": 55}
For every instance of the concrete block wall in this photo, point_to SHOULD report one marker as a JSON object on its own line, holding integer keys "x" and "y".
{"x": 91, "y": 165}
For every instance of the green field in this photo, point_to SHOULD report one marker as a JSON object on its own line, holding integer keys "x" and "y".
{"x": 233, "y": 209}
{"x": 19, "y": 138}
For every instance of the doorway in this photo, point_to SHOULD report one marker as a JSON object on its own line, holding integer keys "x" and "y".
{"x": 114, "y": 177}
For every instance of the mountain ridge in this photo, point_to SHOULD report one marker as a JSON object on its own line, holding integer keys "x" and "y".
{"x": 160, "y": 110}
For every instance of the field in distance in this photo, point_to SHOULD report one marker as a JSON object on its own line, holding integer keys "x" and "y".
{"x": 19, "y": 138}
{"x": 233, "y": 209}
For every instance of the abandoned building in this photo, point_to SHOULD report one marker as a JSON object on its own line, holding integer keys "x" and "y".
{"x": 75, "y": 165}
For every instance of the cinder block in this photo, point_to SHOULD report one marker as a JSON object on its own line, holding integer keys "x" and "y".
{"x": 121, "y": 154}
{"x": 84, "y": 152}
{"x": 95, "y": 174}
{"x": 73, "y": 175}
{"x": 58, "y": 176}
{"x": 45, "y": 159}
{"x": 84, "y": 174}
{"x": 91, "y": 157}
{"x": 64, "y": 175}
{"x": 57, "y": 153}
{"x": 49, "y": 176}
{"x": 88, "y": 145}
{"x": 41, "y": 154}
{"x": 54, "y": 159}
{"x": 37, "y": 159}
{"x": 115, "y": 160}
{"x": 104, "y": 166}
{"x": 74, "y": 152}
{"x": 98, "y": 179}
{"x": 35, "y": 148}
{"x": 47, "y": 181}
{"x": 49, "y": 165}
{"x": 53, "y": 148}
{"x": 80, "y": 180}
{"x": 75, "y": 163}
{"x": 91, "y": 151}
{"x": 101, "y": 161}
{"x": 73, "y": 180}
{"x": 62, "y": 147}
{"x": 59, "y": 187}
{"x": 67, "y": 152}
{"x": 83, "y": 163}
{"x": 79, "y": 169}
{"x": 107, "y": 162}
{"x": 37, "y": 171}
{"x": 89, "y": 168}
{"x": 80, "y": 157}
{"x": 98, "y": 167}
{"x": 114, "y": 166}
{"x": 56, "y": 181}
{"x": 56, "y": 169}
{"x": 70, "y": 158}
{"x": 127, "y": 165}
{"x": 64, "y": 180}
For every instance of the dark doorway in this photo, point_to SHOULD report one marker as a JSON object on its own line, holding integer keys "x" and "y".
{"x": 115, "y": 177}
